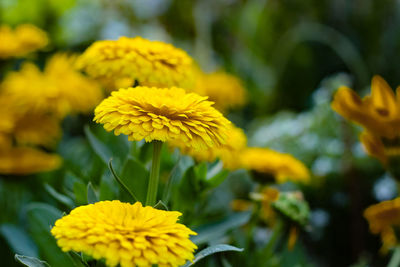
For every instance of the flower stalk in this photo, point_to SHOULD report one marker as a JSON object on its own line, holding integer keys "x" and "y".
{"x": 154, "y": 174}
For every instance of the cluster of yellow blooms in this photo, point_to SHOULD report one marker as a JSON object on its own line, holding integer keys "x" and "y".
{"x": 164, "y": 107}
{"x": 33, "y": 103}
{"x": 126, "y": 234}
{"x": 21, "y": 41}
{"x": 377, "y": 113}
{"x": 384, "y": 219}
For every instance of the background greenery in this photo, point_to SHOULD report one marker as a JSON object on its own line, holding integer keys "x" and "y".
{"x": 292, "y": 55}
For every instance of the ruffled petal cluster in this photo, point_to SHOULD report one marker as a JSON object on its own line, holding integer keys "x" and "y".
{"x": 228, "y": 153}
{"x": 379, "y": 115}
{"x": 126, "y": 234}
{"x": 21, "y": 41}
{"x": 164, "y": 115}
{"x": 59, "y": 89}
{"x": 284, "y": 167}
{"x": 383, "y": 219}
{"x": 226, "y": 90}
{"x": 126, "y": 60}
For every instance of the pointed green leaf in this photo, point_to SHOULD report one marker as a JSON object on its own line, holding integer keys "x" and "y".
{"x": 58, "y": 196}
{"x": 121, "y": 183}
{"x": 91, "y": 194}
{"x": 30, "y": 261}
{"x": 19, "y": 240}
{"x": 212, "y": 250}
{"x": 161, "y": 206}
{"x": 98, "y": 147}
{"x": 108, "y": 187}
{"x": 136, "y": 177}
{"x": 41, "y": 217}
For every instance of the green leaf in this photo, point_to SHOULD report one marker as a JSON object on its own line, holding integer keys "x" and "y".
{"x": 19, "y": 240}
{"x": 91, "y": 194}
{"x": 161, "y": 206}
{"x": 212, "y": 250}
{"x": 201, "y": 171}
{"x": 30, "y": 261}
{"x": 58, "y": 196}
{"x": 41, "y": 217}
{"x": 108, "y": 187}
{"x": 80, "y": 192}
{"x": 121, "y": 183}
{"x": 215, "y": 230}
{"x": 176, "y": 174}
{"x": 217, "y": 174}
{"x": 98, "y": 147}
{"x": 78, "y": 260}
{"x": 136, "y": 177}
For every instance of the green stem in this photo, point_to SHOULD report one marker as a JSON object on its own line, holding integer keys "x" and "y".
{"x": 395, "y": 260}
{"x": 154, "y": 174}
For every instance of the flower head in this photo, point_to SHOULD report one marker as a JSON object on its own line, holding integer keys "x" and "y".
{"x": 58, "y": 90}
{"x": 164, "y": 115}
{"x": 284, "y": 167}
{"x": 383, "y": 218}
{"x": 21, "y": 41}
{"x": 151, "y": 63}
{"x": 229, "y": 152}
{"x": 378, "y": 114}
{"x": 126, "y": 234}
{"x": 224, "y": 89}
{"x": 27, "y": 160}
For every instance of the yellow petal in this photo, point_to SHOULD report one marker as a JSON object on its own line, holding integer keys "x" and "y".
{"x": 383, "y": 98}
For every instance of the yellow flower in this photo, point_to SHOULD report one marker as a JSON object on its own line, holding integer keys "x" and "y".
{"x": 26, "y": 160}
{"x": 267, "y": 196}
{"x": 23, "y": 40}
{"x": 164, "y": 115}
{"x": 37, "y": 129}
{"x": 378, "y": 114}
{"x": 151, "y": 63}
{"x": 224, "y": 89}
{"x": 284, "y": 167}
{"x": 59, "y": 90}
{"x": 383, "y": 218}
{"x": 126, "y": 234}
{"x": 228, "y": 153}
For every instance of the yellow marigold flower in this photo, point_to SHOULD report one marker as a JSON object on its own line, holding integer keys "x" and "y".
{"x": 224, "y": 89}
{"x": 23, "y": 40}
{"x": 126, "y": 234}
{"x": 59, "y": 89}
{"x": 164, "y": 115}
{"x": 378, "y": 113}
{"x": 151, "y": 63}
{"x": 229, "y": 152}
{"x": 284, "y": 167}
{"x": 26, "y": 160}
{"x": 383, "y": 218}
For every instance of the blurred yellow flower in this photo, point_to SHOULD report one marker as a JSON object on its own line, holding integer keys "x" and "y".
{"x": 283, "y": 167}
{"x": 164, "y": 115}
{"x": 37, "y": 129}
{"x": 126, "y": 234}
{"x": 224, "y": 89}
{"x": 58, "y": 90}
{"x": 229, "y": 152}
{"x": 27, "y": 160}
{"x": 378, "y": 114}
{"x": 151, "y": 63}
{"x": 21, "y": 41}
{"x": 267, "y": 196}
{"x": 384, "y": 219}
